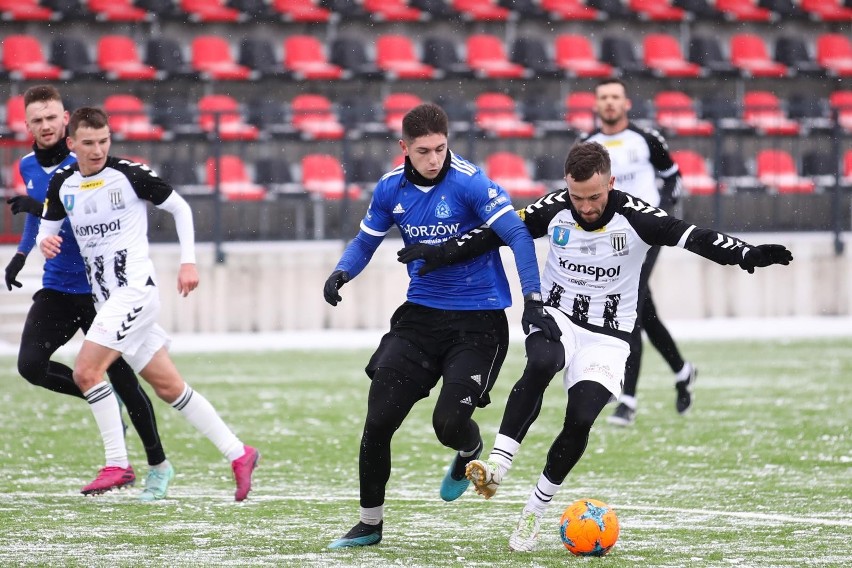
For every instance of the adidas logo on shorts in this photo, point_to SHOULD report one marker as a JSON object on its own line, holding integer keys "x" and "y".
{"x": 466, "y": 400}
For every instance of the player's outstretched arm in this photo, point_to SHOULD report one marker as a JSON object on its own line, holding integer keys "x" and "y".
{"x": 761, "y": 256}
{"x": 468, "y": 246}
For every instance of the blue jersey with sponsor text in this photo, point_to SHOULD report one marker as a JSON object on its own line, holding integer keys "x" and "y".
{"x": 463, "y": 200}
{"x": 65, "y": 272}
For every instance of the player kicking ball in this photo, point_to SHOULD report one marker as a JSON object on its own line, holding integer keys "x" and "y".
{"x": 104, "y": 199}
{"x": 598, "y": 239}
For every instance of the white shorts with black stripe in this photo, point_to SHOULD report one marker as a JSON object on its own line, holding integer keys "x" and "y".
{"x": 127, "y": 322}
{"x": 591, "y": 356}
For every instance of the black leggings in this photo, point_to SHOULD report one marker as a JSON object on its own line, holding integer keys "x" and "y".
{"x": 391, "y": 398}
{"x": 52, "y": 321}
{"x": 658, "y": 335}
{"x": 586, "y": 400}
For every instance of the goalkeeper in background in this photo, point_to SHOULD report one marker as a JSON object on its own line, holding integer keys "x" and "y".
{"x": 599, "y": 237}
{"x": 453, "y": 324}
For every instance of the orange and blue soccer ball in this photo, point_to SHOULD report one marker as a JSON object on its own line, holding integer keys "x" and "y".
{"x": 589, "y": 528}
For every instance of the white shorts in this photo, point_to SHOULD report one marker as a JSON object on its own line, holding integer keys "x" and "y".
{"x": 127, "y": 322}
{"x": 591, "y": 356}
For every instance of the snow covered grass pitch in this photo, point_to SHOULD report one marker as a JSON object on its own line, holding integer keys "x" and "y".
{"x": 757, "y": 474}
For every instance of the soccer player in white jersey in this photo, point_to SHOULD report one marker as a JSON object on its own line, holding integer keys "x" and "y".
{"x": 104, "y": 198}
{"x": 598, "y": 239}
{"x": 638, "y": 157}
{"x": 453, "y": 324}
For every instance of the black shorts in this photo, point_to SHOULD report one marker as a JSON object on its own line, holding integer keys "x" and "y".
{"x": 425, "y": 344}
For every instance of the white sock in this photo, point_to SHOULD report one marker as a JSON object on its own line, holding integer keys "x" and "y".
{"x": 628, "y": 401}
{"x": 684, "y": 373}
{"x": 201, "y": 414}
{"x": 372, "y": 515}
{"x": 504, "y": 452}
{"x": 104, "y": 405}
{"x": 161, "y": 466}
{"x": 542, "y": 495}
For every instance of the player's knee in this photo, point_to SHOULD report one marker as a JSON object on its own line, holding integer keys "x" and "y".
{"x": 579, "y": 422}
{"x": 86, "y": 377}
{"x": 33, "y": 370}
{"x": 450, "y": 426}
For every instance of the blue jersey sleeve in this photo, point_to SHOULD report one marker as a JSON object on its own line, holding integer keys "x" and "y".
{"x": 358, "y": 253}
{"x": 512, "y": 230}
{"x": 28, "y": 237}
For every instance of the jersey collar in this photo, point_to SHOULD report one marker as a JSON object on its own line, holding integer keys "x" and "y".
{"x": 53, "y": 156}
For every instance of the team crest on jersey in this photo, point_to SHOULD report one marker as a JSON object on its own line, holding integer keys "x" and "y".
{"x": 619, "y": 244}
{"x": 116, "y": 199}
{"x": 561, "y": 235}
{"x": 443, "y": 211}
{"x": 68, "y": 202}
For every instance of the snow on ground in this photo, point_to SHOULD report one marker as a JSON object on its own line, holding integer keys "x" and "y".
{"x": 684, "y": 330}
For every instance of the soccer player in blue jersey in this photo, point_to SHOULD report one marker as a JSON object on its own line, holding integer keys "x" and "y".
{"x": 64, "y": 304}
{"x": 453, "y": 324}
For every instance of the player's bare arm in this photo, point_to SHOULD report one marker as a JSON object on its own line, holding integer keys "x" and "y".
{"x": 50, "y": 246}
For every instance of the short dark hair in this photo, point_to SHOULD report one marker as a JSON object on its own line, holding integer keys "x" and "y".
{"x": 424, "y": 119}
{"x": 586, "y": 159}
{"x": 611, "y": 81}
{"x": 41, "y": 94}
{"x": 90, "y": 117}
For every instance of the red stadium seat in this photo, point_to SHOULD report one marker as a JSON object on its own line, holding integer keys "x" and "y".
{"x": 828, "y": 10}
{"x": 676, "y": 113}
{"x": 762, "y": 111}
{"x": 570, "y": 10}
{"x": 486, "y": 55}
{"x": 305, "y": 57}
{"x": 497, "y": 115}
{"x": 128, "y": 119}
{"x": 211, "y": 55}
{"x": 834, "y": 53}
{"x": 232, "y": 126}
{"x": 16, "y": 117}
{"x": 314, "y": 117}
{"x": 657, "y": 10}
{"x": 750, "y": 55}
{"x": 693, "y": 171}
{"x": 301, "y": 11}
{"x": 664, "y": 57}
{"x": 579, "y": 111}
{"x": 393, "y": 11}
{"x": 777, "y": 170}
{"x": 395, "y": 106}
{"x": 841, "y": 101}
{"x": 396, "y": 57}
{"x": 211, "y": 11}
{"x": 511, "y": 172}
{"x": 234, "y": 181}
{"x": 119, "y": 59}
{"x": 743, "y": 11}
{"x": 118, "y": 11}
{"x": 481, "y": 10}
{"x": 322, "y": 175}
{"x": 575, "y": 54}
{"x": 24, "y": 10}
{"x": 24, "y": 59}
{"x": 846, "y": 178}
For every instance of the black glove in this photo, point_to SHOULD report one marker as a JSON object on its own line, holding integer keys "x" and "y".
{"x": 25, "y": 204}
{"x": 337, "y": 279}
{"x": 433, "y": 256}
{"x": 534, "y": 314}
{"x": 765, "y": 255}
{"x": 15, "y": 265}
